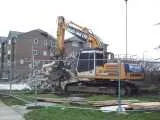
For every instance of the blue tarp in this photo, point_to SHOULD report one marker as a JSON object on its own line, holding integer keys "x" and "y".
{"x": 133, "y": 68}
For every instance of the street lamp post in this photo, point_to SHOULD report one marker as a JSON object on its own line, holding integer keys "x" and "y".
{"x": 34, "y": 70}
{"x": 126, "y": 31}
{"x": 12, "y": 55}
{"x": 119, "y": 109}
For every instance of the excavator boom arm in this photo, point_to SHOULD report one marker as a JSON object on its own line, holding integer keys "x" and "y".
{"x": 81, "y": 32}
{"x": 60, "y": 37}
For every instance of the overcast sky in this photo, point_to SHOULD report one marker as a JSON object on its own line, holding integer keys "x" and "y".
{"x": 106, "y": 18}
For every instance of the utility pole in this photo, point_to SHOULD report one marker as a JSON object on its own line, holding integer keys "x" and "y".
{"x": 34, "y": 70}
{"x": 119, "y": 109}
{"x": 12, "y": 49}
{"x": 126, "y": 30}
{"x": 2, "y": 59}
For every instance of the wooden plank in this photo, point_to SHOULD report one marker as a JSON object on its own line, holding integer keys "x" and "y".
{"x": 145, "y": 105}
{"x": 107, "y": 103}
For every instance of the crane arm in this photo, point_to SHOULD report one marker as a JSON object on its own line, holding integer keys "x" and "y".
{"x": 81, "y": 32}
{"x": 60, "y": 36}
{"x": 85, "y": 34}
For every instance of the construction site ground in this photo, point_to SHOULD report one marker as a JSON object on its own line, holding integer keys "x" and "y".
{"x": 92, "y": 104}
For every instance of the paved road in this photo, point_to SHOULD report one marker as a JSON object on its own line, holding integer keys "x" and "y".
{"x": 7, "y": 113}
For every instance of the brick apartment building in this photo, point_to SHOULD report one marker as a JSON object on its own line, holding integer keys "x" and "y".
{"x": 32, "y": 49}
{"x": 26, "y": 50}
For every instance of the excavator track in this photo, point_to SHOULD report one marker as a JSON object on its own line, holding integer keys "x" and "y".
{"x": 101, "y": 87}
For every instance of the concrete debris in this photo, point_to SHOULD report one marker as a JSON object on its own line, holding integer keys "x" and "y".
{"x": 114, "y": 108}
{"x": 38, "y": 105}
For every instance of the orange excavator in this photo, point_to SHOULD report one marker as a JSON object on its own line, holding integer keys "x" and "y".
{"x": 95, "y": 73}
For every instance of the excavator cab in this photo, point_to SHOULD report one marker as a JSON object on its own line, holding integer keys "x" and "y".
{"x": 88, "y": 60}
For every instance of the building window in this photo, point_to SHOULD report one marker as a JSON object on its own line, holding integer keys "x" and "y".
{"x": 36, "y": 52}
{"x": 9, "y": 42}
{"x": 39, "y": 52}
{"x": 9, "y": 52}
{"x": 75, "y": 44}
{"x": 35, "y": 41}
{"x": 21, "y": 61}
{"x": 36, "y": 63}
{"x": 45, "y": 53}
{"x": 52, "y": 44}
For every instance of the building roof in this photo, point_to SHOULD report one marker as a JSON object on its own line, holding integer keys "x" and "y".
{"x": 40, "y": 32}
{"x": 13, "y": 34}
{"x": 43, "y": 33}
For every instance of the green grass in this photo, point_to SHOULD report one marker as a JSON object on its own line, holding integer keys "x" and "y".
{"x": 79, "y": 114}
{"x": 151, "y": 98}
{"x": 31, "y": 96}
{"x": 49, "y": 96}
{"x": 139, "y": 98}
{"x": 27, "y": 97}
{"x": 11, "y": 101}
{"x": 100, "y": 97}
